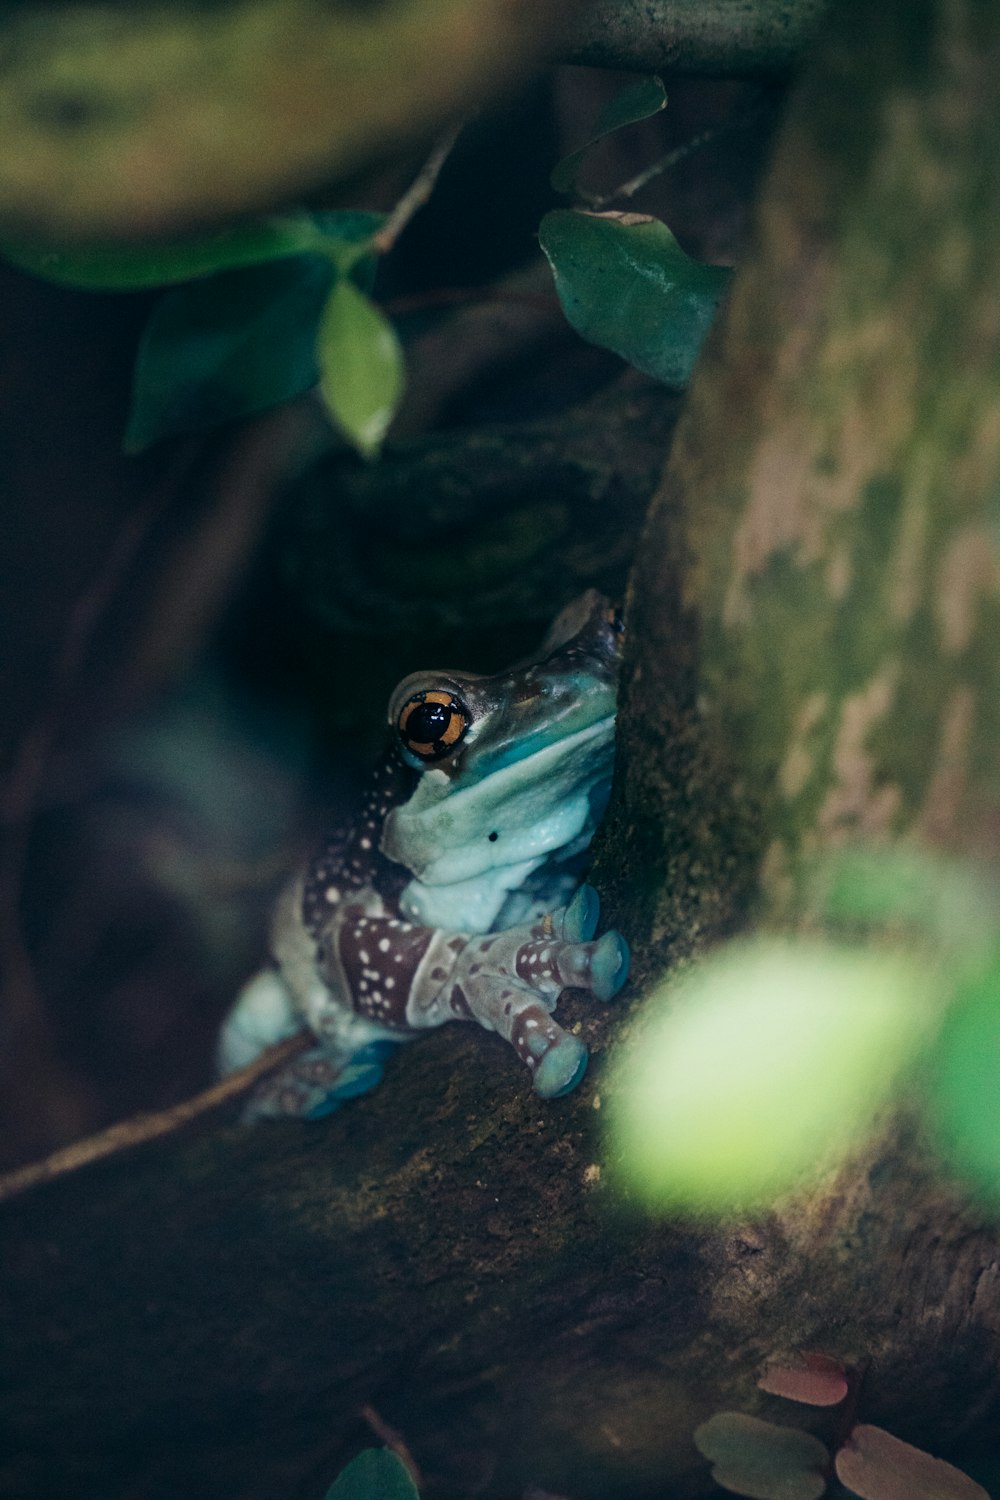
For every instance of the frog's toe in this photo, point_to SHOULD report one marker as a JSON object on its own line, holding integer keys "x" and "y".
{"x": 562, "y": 1067}
{"x": 354, "y": 1080}
{"x": 581, "y": 916}
{"x": 313, "y": 1087}
{"x": 609, "y": 965}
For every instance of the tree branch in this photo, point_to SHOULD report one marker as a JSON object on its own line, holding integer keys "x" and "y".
{"x": 727, "y": 38}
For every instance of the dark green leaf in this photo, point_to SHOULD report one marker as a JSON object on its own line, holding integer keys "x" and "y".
{"x": 376, "y": 1474}
{"x": 221, "y": 348}
{"x": 636, "y": 102}
{"x": 125, "y": 268}
{"x": 762, "y": 1460}
{"x": 122, "y": 268}
{"x": 963, "y": 1103}
{"x": 625, "y": 283}
{"x": 361, "y": 367}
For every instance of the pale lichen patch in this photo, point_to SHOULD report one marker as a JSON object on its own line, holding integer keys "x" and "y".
{"x": 904, "y": 577}
{"x": 776, "y": 880}
{"x": 839, "y": 572}
{"x": 938, "y": 814}
{"x": 799, "y": 762}
{"x": 854, "y": 804}
{"x": 969, "y": 569}
{"x": 778, "y": 517}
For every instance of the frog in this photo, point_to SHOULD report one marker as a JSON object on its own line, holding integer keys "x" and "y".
{"x": 458, "y": 891}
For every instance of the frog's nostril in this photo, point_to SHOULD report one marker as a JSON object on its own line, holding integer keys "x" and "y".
{"x": 494, "y": 837}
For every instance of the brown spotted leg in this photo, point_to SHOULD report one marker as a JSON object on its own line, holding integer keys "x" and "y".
{"x": 411, "y": 978}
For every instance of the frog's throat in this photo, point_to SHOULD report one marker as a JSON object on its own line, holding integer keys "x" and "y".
{"x": 518, "y": 815}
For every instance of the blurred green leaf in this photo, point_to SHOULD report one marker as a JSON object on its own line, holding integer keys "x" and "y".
{"x": 125, "y": 268}
{"x": 764, "y": 1064}
{"x": 361, "y": 367}
{"x": 624, "y": 283}
{"x": 376, "y": 1474}
{"x": 878, "y": 1466}
{"x": 954, "y": 905}
{"x": 965, "y": 1086}
{"x": 219, "y": 349}
{"x": 638, "y": 101}
{"x": 760, "y": 1459}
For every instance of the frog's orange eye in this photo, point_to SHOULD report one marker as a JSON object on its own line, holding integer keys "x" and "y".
{"x": 431, "y": 724}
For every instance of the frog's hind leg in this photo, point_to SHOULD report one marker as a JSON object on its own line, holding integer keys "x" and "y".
{"x": 317, "y": 1083}
{"x": 510, "y": 982}
{"x": 262, "y": 1014}
{"x": 313, "y": 1084}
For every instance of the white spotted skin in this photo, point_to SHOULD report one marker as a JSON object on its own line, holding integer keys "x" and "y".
{"x": 446, "y": 899}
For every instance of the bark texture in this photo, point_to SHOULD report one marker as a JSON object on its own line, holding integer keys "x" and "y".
{"x": 813, "y": 628}
{"x": 725, "y": 38}
{"x": 827, "y": 523}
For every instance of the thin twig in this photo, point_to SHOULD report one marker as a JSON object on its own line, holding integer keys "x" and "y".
{"x": 417, "y": 193}
{"x": 678, "y": 154}
{"x": 395, "y": 1441}
{"x": 139, "y": 1129}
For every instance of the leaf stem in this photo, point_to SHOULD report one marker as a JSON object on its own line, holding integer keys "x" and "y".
{"x": 417, "y": 193}
{"x": 673, "y": 158}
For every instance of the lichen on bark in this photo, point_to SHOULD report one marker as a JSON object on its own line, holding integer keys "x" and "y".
{"x": 834, "y": 469}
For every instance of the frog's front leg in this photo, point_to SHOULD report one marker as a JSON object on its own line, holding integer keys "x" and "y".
{"x": 410, "y": 978}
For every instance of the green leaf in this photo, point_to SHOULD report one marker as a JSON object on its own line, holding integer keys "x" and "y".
{"x": 638, "y": 101}
{"x": 347, "y": 234}
{"x": 626, "y": 284}
{"x": 761, "y": 1068}
{"x": 219, "y": 349}
{"x": 376, "y": 1474}
{"x": 762, "y": 1460}
{"x": 126, "y": 268}
{"x": 963, "y": 1100}
{"x": 342, "y": 235}
{"x": 955, "y": 906}
{"x": 361, "y": 367}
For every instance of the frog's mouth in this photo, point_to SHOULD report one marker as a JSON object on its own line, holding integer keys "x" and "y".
{"x": 517, "y": 814}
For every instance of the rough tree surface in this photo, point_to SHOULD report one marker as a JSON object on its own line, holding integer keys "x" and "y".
{"x": 209, "y": 1316}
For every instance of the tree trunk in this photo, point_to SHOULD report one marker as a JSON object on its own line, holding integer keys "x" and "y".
{"x": 813, "y": 627}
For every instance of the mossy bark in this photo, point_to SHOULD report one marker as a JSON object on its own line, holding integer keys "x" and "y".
{"x": 827, "y": 526}
{"x": 814, "y": 618}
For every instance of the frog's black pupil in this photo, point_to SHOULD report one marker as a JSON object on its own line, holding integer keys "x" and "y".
{"x": 428, "y": 722}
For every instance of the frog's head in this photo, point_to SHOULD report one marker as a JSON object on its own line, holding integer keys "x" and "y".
{"x": 514, "y": 769}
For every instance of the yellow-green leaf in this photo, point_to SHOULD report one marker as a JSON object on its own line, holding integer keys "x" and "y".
{"x": 361, "y": 367}
{"x": 761, "y": 1067}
